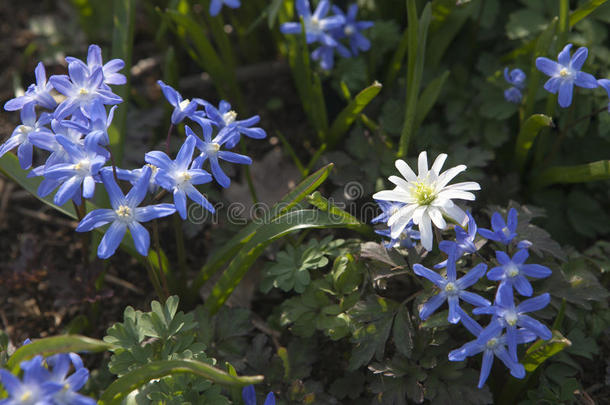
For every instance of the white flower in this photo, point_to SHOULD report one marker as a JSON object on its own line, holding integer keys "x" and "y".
{"x": 427, "y": 197}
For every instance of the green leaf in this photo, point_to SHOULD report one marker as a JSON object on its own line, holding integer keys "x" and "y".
{"x": 230, "y": 249}
{"x": 122, "y": 48}
{"x": 542, "y": 350}
{"x": 528, "y": 133}
{"x": 349, "y": 114}
{"x": 54, "y": 345}
{"x": 317, "y": 200}
{"x": 584, "y": 10}
{"x": 428, "y": 98}
{"x": 418, "y": 32}
{"x": 163, "y": 322}
{"x": 262, "y": 237}
{"x": 123, "y": 386}
{"x": 403, "y": 332}
{"x": 593, "y": 171}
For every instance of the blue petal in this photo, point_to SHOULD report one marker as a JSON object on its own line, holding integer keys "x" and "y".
{"x": 579, "y": 58}
{"x": 454, "y": 314}
{"x": 535, "y": 270}
{"x": 220, "y": 176}
{"x": 520, "y": 257}
{"x": 565, "y": 93}
{"x": 95, "y": 219}
{"x": 180, "y": 202}
{"x": 472, "y": 276}
{"x": 234, "y": 157}
{"x": 534, "y": 326}
{"x": 117, "y": 198}
{"x": 249, "y": 395}
{"x": 474, "y": 299}
{"x": 552, "y": 85}
{"x": 111, "y": 240}
{"x": 564, "y": 56}
{"x": 78, "y": 379}
{"x": 185, "y": 155}
{"x": 431, "y": 305}
{"x": 150, "y": 212}
{"x": 496, "y": 274}
{"x": 140, "y": 189}
{"x": 488, "y": 359}
{"x": 585, "y": 80}
{"x": 141, "y": 237}
{"x": 270, "y": 400}
{"x": 10, "y": 383}
{"x": 429, "y": 274}
{"x": 523, "y": 286}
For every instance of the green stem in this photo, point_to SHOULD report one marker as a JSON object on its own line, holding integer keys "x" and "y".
{"x": 154, "y": 279}
{"x": 181, "y": 251}
{"x": 161, "y": 273}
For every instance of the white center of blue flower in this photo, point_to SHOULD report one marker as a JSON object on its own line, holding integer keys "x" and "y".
{"x": 492, "y": 343}
{"x": 512, "y": 270}
{"x": 313, "y": 26}
{"x": 229, "y": 117}
{"x": 349, "y": 30}
{"x": 451, "y": 288}
{"x": 511, "y": 318}
{"x": 565, "y": 73}
{"x": 182, "y": 177}
{"x": 124, "y": 213}
{"x": 184, "y": 103}
{"x": 506, "y": 231}
{"x": 25, "y": 396}
{"x": 83, "y": 166}
{"x": 212, "y": 148}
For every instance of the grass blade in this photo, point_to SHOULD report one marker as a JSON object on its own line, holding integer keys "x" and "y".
{"x": 593, "y": 171}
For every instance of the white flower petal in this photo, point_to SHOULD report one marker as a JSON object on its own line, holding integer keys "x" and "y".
{"x": 405, "y": 170}
{"x": 402, "y": 183}
{"x": 437, "y": 217}
{"x": 457, "y": 214}
{"x": 425, "y": 232}
{"x": 466, "y": 185}
{"x": 422, "y": 164}
{"x": 393, "y": 195}
{"x": 418, "y": 213}
{"x": 398, "y": 226}
{"x": 403, "y": 212}
{"x": 438, "y": 163}
{"x": 448, "y": 175}
{"x": 459, "y": 194}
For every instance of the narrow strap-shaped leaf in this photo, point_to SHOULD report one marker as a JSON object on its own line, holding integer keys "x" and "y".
{"x": 120, "y": 388}
{"x": 317, "y": 200}
{"x": 529, "y": 130}
{"x": 229, "y": 249}
{"x": 428, "y": 98}
{"x": 122, "y": 48}
{"x": 584, "y": 10}
{"x": 349, "y": 114}
{"x": 54, "y": 345}
{"x": 593, "y": 171}
{"x": 418, "y": 33}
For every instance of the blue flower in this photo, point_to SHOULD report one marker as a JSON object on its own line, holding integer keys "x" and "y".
{"x": 82, "y": 170}
{"x": 134, "y": 175}
{"x": 492, "y": 346}
{"x": 124, "y": 214}
{"x": 21, "y": 135}
{"x": 325, "y": 55}
{"x": 216, "y": 5}
{"x": 48, "y": 142}
{"x": 351, "y": 29}
{"x": 388, "y": 208}
{"x": 503, "y": 232}
{"x": 249, "y": 396}
{"x": 39, "y": 93}
{"x": 60, "y": 366}
{"x": 36, "y": 387}
{"x": 516, "y": 78}
{"x": 223, "y": 117}
{"x": 317, "y": 27}
{"x": 512, "y": 272}
{"x": 182, "y": 108}
{"x": 405, "y": 239}
{"x": 508, "y": 316}
{"x": 81, "y": 88}
{"x": 175, "y": 176}
{"x": 605, "y": 83}
{"x": 464, "y": 241}
{"x": 109, "y": 70}
{"x": 452, "y": 290}
{"x": 210, "y": 149}
{"x": 565, "y": 73}
{"x": 96, "y": 126}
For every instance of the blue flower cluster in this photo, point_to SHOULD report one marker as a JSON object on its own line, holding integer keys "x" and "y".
{"x": 74, "y": 131}
{"x": 249, "y": 396}
{"x": 329, "y": 31}
{"x": 516, "y": 78}
{"x": 47, "y": 382}
{"x": 510, "y": 325}
{"x": 405, "y": 239}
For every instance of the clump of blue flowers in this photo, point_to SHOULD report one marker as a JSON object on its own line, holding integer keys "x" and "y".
{"x": 249, "y": 396}
{"x": 510, "y": 325}
{"x": 330, "y": 31}
{"x": 47, "y": 382}
{"x": 516, "y": 78}
{"x": 74, "y": 131}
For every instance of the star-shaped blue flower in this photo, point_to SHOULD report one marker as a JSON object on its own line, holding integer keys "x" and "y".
{"x": 225, "y": 118}
{"x": 183, "y": 108}
{"x": 512, "y": 272}
{"x": 503, "y": 232}
{"x": 175, "y": 176}
{"x": 565, "y": 73}
{"x": 109, "y": 70}
{"x": 452, "y": 290}
{"x": 464, "y": 241}
{"x": 39, "y": 93}
{"x": 124, "y": 214}
{"x": 352, "y": 29}
{"x": 516, "y": 78}
{"x": 317, "y": 25}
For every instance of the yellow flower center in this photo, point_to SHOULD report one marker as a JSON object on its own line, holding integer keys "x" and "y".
{"x": 123, "y": 212}
{"x": 183, "y": 177}
{"x": 492, "y": 343}
{"x": 83, "y": 165}
{"x": 511, "y": 318}
{"x": 564, "y": 72}
{"x": 25, "y": 396}
{"x": 512, "y": 270}
{"x": 424, "y": 193}
{"x": 184, "y": 103}
{"x": 451, "y": 288}
{"x": 349, "y": 30}
{"x": 83, "y": 91}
